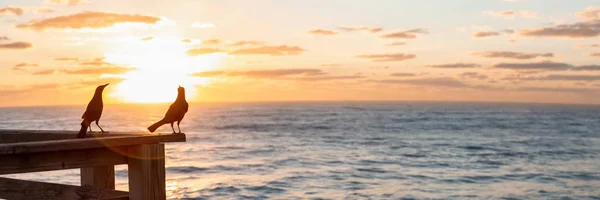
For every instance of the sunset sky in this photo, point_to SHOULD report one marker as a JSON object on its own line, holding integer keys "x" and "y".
{"x": 55, "y": 52}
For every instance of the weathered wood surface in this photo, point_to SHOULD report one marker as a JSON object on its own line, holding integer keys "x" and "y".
{"x": 58, "y": 160}
{"x": 100, "y": 177}
{"x": 86, "y": 143}
{"x": 13, "y": 189}
{"x": 147, "y": 172}
{"x": 13, "y": 136}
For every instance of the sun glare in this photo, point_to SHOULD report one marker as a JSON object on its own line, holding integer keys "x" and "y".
{"x": 161, "y": 65}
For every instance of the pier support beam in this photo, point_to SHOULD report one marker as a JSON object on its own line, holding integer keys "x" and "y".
{"x": 147, "y": 172}
{"x": 101, "y": 177}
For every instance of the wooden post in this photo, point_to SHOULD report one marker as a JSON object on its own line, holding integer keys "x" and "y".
{"x": 101, "y": 177}
{"x": 147, "y": 172}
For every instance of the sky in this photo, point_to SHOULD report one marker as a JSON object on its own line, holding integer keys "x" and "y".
{"x": 55, "y": 52}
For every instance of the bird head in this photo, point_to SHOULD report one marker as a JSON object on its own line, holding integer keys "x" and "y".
{"x": 180, "y": 89}
{"x": 101, "y": 87}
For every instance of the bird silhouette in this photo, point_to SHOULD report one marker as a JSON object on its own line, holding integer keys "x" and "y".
{"x": 175, "y": 113}
{"x": 93, "y": 112}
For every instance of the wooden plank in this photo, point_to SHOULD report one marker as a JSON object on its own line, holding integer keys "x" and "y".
{"x": 101, "y": 177}
{"x": 14, "y": 189}
{"x": 87, "y": 143}
{"x": 147, "y": 172}
{"x": 58, "y": 160}
{"x": 13, "y": 136}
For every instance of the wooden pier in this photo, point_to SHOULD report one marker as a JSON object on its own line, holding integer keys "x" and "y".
{"x": 24, "y": 151}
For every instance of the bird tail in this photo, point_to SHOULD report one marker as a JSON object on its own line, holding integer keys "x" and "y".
{"x": 83, "y": 130}
{"x": 154, "y": 126}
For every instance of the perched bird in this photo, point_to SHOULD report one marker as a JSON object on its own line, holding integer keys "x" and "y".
{"x": 175, "y": 113}
{"x": 93, "y": 112}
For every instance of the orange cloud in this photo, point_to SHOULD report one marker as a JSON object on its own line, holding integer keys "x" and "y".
{"x": 396, "y": 44}
{"x": 408, "y": 34}
{"x": 354, "y": 28}
{"x": 203, "y": 51}
{"x": 24, "y": 66}
{"x": 87, "y": 20}
{"x": 597, "y": 55}
{"x": 66, "y": 59}
{"x": 590, "y": 13}
{"x": 44, "y": 72}
{"x": 585, "y": 29}
{"x": 16, "y": 45}
{"x": 211, "y": 42}
{"x": 403, "y": 74}
{"x": 455, "y": 65}
{"x": 322, "y": 32}
{"x": 66, "y": 2}
{"x": 244, "y": 43}
{"x": 387, "y": 57}
{"x": 147, "y": 38}
{"x": 97, "y": 71}
{"x": 4, "y": 38}
{"x": 11, "y": 10}
{"x": 513, "y": 55}
{"x": 282, "y": 50}
{"x": 483, "y": 34}
{"x": 538, "y": 66}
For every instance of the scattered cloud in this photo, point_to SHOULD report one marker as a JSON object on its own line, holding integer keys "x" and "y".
{"x": 147, "y": 38}
{"x": 562, "y": 77}
{"x": 16, "y": 45}
{"x": 248, "y": 42}
{"x": 45, "y": 10}
{"x": 66, "y": 59}
{"x": 396, "y": 44}
{"x": 328, "y": 78}
{"x": 587, "y": 68}
{"x": 360, "y": 28}
{"x": 95, "y": 62}
{"x": 408, "y": 34}
{"x": 537, "y": 66}
{"x": 203, "y": 51}
{"x": 474, "y": 75}
{"x": 597, "y": 55}
{"x": 403, "y": 74}
{"x": 201, "y": 25}
{"x": 387, "y": 57}
{"x": 87, "y": 20}
{"x": 11, "y": 10}
{"x": 24, "y": 66}
{"x": 322, "y": 32}
{"x": 590, "y": 13}
{"x": 585, "y": 29}
{"x": 282, "y": 50}
{"x": 455, "y": 65}
{"x": 97, "y": 71}
{"x": 4, "y": 38}
{"x": 482, "y": 34}
{"x": 331, "y": 65}
{"x": 513, "y": 55}
{"x": 298, "y": 74}
{"x": 186, "y": 40}
{"x": 44, "y": 72}
{"x": 211, "y": 42}
{"x": 436, "y": 82}
{"x": 510, "y": 14}
{"x": 66, "y": 2}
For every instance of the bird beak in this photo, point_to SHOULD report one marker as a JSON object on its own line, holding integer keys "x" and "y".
{"x": 105, "y": 85}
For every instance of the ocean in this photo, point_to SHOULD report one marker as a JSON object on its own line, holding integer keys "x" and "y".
{"x": 357, "y": 150}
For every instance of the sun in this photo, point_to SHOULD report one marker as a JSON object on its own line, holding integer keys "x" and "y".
{"x": 161, "y": 66}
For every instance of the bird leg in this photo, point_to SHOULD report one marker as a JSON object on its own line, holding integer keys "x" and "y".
{"x": 172, "y": 127}
{"x": 90, "y": 126}
{"x": 178, "y": 127}
{"x": 101, "y": 130}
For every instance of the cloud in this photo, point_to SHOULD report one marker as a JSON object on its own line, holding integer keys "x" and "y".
{"x": 147, "y": 38}
{"x": 282, "y": 50}
{"x": 396, "y": 44}
{"x": 45, "y": 10}
{"x": 95, "y": 62}
{"x": 87, "y": 20}
{"x": 328, "y": 78}
{"x": 537, "y": 66}
{"x": 322, "y": 32}
{"x": 585, "y": 29}
{"x": 561, "y": 77}
{"x": 211, "y": 42}
{"x": 510, "y": 14}
{"x": 436, "y": 82}
{"x": 66, "y": 2}
{"x": 587, "y": 68}
{"x": 564, "y": 89}
{"x": 11, "y": 10}
{"x": 403, "y": 74}
{"x": 331, "y": 65}
{"x": 97, "y": 71}
{"x": 66, "y": 59}
{"x": 597, "y": 55}
{"x": 360, "y": 28}
{"x": 268, "y": 73}
{"x": 16, "y": 45}
{"x": 387, "y": 57}
{"x": 4, "y": 38}
{"x": 482, "y": 34}
{"x": 455, "y": 65}
{"x": 408, "y": 34}
{"x": 203, "y": 51}
{"x": 209, "y": 73}
{"x": 244, "y": 43}
{"x": 201, "y": 25}
{"x": 513, "y": 55}
{"x": 474, "y": 75}
{"x": 44, "y": 72}
{"x": 590, "y": 13}
{"x": 24, "y": 66}
{"x": 186, "y": 40}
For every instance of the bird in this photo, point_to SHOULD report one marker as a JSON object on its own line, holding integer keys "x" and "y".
{"x": 175, "y": 113}
{"x": 93, "y": 112}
